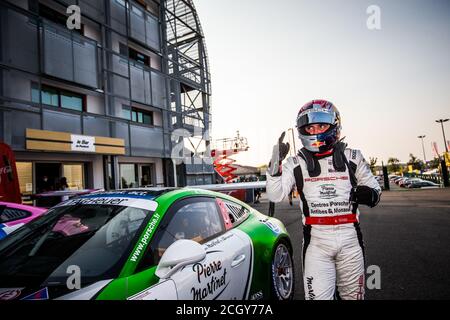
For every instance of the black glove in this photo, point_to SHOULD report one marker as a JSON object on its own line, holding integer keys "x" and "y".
{"x": 283, "y": 148}
{"x": 364, "y": 195}
{"x": 280, "y": 151}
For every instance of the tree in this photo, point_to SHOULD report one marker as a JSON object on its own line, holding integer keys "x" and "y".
{"x": 372, "y": 164}
{"x": 434, "y": 164}
{"x": 415, "y": 162}
{"x": 393, "y": 165}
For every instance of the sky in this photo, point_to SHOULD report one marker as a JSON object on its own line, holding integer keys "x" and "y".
{"x": 268, "y": 58}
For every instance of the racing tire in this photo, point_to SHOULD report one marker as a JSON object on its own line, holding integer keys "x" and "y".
{"x": 282, "y": 273}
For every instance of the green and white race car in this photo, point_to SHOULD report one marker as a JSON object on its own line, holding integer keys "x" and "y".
{"x": 146, "y": 244}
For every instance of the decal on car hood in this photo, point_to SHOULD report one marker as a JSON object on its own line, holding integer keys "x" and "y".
{"x": 10, "y": 293}
{"x": 6, "y": 229}
{"x": 38, "y": 295}
{"x": 272, "y": 226}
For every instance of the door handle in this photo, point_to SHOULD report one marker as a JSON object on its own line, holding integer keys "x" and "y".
{"x": 238, "y": 260}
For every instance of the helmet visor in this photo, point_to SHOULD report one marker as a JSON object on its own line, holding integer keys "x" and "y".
{"x": 316, "y": 117}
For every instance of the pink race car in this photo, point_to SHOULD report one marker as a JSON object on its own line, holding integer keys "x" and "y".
{"x": 13, "y": 216}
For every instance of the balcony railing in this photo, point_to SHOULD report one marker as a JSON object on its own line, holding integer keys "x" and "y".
{"x": 148, "y": 87}
{"x": 143, "y": 26}
{"x": 68, "y": 55}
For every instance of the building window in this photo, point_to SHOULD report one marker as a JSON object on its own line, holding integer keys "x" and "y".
{"x": 141, "y": 116}
{"x": 126, "y": 112}
{"x": 71, "y": 101}
{"x": 74, "y": 176}
{"x": 137, "y": 115}
{"x": 134, "y": 55}
{"x": 128, "y": 175}
{"x": 50, "y": 97}
{"x": 25, "y": 175}
{"x": 35, "y": 94}
{"x": 139, "y": 57}
{"x": 58, "y": 98}
{"x": 146, "y": 175}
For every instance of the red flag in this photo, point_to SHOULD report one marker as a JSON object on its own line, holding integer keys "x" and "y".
{"x": 434, "y": 147}
{"x": 9, "y": 181}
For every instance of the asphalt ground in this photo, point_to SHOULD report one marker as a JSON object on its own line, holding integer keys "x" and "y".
{"x": 407, "y": 236}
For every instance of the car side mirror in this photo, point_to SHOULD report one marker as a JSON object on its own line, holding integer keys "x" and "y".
{"x": 179, "y": 254}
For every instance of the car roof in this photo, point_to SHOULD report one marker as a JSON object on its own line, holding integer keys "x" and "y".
{"x": 22, "y": 207}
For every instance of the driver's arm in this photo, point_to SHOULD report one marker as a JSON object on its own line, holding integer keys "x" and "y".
{"x": 278, "y": 187}
{"x": 368, "y": 191}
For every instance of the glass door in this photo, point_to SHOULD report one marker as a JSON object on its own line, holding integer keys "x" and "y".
{"x": 128, "y": 177}
{"x": 146, "y": 176}
{"x": 74, "y": 176}
{"x": 25, "y": 174}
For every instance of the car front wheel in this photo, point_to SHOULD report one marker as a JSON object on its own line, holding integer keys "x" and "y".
{"x": 282, "y": 273}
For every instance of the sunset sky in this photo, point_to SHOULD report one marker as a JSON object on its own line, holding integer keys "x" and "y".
{"x": 268, "y": 58}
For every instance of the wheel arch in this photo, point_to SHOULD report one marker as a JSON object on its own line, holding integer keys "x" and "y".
{"x": 265, "y": 233}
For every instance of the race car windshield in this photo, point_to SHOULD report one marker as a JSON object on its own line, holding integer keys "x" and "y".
{"x": 95, "y": 238}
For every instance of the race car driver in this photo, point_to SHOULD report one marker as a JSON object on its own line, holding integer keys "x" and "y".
{"x": 332, "y": 180}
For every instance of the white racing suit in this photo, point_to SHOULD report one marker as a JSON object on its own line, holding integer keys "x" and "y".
{"x": 333, "y": 250}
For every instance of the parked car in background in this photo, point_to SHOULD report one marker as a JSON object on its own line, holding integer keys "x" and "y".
{"x": 401, "y": 183}
{"x": 13, "y": 216}
{"x": 423, "y": 184}
{"x": 393, "y": 177}
{"x": 407, "y": 182}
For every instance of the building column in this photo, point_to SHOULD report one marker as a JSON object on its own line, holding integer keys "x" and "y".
{"x": 115, "y": 172}
{"x": 106, "y": 173}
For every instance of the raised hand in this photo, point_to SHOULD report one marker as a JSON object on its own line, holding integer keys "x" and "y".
{"x": 279, "y": 152}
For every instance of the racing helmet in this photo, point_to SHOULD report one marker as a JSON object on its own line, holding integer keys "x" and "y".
{"x": 315, "y": 112}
